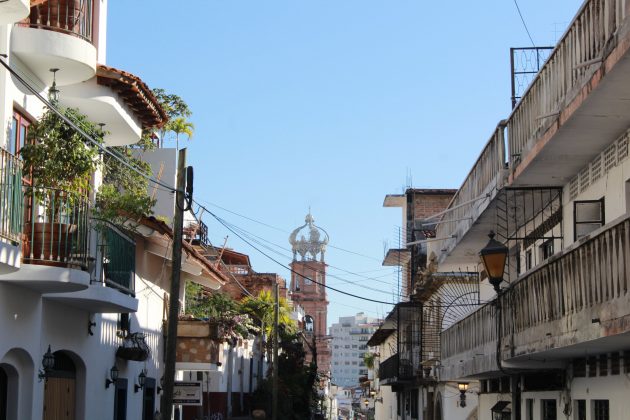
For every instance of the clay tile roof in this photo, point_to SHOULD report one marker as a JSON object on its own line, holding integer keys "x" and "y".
{"x": 189, "y": 249}
{"x": 135, "y": 93}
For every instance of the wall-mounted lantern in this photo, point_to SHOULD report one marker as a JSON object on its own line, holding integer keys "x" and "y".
{"x": 48, "y": 362}
{"x": 113, "y": 376}
{"x": 463, "y": 387}
{"x": 494, "y": 256}
{"x": 141, "y": 380}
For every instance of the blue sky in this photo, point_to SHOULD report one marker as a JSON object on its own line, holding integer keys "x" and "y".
{"x": 330, "y": 104}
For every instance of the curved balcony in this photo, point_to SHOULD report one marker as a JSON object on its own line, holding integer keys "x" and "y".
{"x": 113, "y": 291}
{"x": 12, "y": 11}
{"x": 57, "y": 34}
{"x": 54, "y": 242}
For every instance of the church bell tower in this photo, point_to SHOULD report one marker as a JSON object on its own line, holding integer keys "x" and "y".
{"x": 308, "y": 279}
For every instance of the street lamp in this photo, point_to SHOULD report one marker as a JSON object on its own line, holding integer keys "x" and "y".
{"x": 493, "y": 256}
{"x": 463, "y": 387}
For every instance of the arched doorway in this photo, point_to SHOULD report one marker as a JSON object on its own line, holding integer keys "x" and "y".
{"x": 4, "y": 390}
{"x": 60, "y": 389}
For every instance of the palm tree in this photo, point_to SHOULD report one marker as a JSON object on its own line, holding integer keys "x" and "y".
{"x": 180, "y": 126}
{"x": 262, "y": 309}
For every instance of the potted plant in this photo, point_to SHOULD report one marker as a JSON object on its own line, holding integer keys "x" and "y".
{"x": 60, "y": 164}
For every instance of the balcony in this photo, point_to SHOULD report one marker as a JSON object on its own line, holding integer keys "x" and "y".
{"x": 10, "y": 211}
{"x": 57, "y": 34}
{"x": 464, "y": 225}
{"x": 12, "y": 11}
{"x": 114, "y": 289}
{"x": 577, "y": 301}
{"x": 54, "y": 241}
{"x": 118, "y": 99}
{"x": 577, "y": 104}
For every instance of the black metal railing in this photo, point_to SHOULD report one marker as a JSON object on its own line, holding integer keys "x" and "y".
{"x": 73, "y": 17}
{"x": 10, "y": 196}
{"x": 55, "y": 228}
{"x": 388, "y": 370}
{"x": 118, "y": 258}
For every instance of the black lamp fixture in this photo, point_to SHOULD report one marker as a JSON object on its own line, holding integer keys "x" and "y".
{"x": 493, "y": 256}
{"x": 141, "y": 379}
{"x": 463, "y": 387}
{"x": 48, "y": 362}
{"x": 366, "y": 402}
{"x": 113, "y": 376}
{"x": 53, "y": 92}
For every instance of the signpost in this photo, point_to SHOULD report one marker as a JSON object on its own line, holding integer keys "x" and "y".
{"x": 187, "y": 393}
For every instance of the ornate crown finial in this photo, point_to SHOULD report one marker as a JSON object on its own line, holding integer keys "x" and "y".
{"x": 309, "y": 240}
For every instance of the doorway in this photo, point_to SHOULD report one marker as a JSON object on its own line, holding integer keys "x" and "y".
{"x": 60, "y": 389}
{"x": 4, "y": 390}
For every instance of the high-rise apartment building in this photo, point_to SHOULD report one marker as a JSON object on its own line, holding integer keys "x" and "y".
{"x": 349, "y": 345}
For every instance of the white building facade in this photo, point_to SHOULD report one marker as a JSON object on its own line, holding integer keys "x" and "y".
{"x": 349, "y": 345}
{"x": 81, "y": 318}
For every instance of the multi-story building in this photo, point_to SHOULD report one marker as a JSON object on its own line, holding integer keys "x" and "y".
{"x": 349, "y": 338}
{"x": 82, "y": 301}
{"x": 408, "y": 340}
{"x": 549, "y": 338}
{"x": 308, "y": 281}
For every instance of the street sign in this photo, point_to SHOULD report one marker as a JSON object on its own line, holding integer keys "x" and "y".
{"x": 187, "y": 393}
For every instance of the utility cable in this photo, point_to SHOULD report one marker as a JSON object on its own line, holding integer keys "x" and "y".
{"x": 518, "y": 9}
{"x": 78, "y": 129}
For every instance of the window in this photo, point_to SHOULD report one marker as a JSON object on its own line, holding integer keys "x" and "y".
{"x": 603, "y": 365}
{"x": 528, "y": 259}
{"x": 587, "y": 216}
{"x": 614, "y": 364}
{"x": 529, "y": 409}
{"x": 307, "y": 281}
{"x": 546, "y": 249}
{"x": 579, "y": 368}
{"x": 580, "y": 409}
{"x": 19, "y": 132}
{"x": 592, "y": 366}
{"x": 548, "y": 409}
{"x": 600, "y": 410}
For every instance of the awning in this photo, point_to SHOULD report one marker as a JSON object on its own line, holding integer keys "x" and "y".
{"x": 397, "y": 257}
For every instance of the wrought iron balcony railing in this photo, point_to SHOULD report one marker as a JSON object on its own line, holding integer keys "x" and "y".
{"x": 388, "y": 370}
{"x": 118, "y": 258}
{"x": 73, "y": 17}
{"x": 554, "y": 299}
{"x": 10, "y": 196}
{"x": 566, "y": 70}
{"x": 55, "y": 228}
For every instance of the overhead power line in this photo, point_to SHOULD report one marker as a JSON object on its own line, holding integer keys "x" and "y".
{"x": 518, "y": 9}
{"x": 79, "y": 130}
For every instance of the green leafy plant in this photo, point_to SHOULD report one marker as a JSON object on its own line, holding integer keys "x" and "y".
{"x": 178, "y": 113}
{"x": 124, "y": 192}
{"x": 219, "y": 308}
{"x": 59, "y": 158}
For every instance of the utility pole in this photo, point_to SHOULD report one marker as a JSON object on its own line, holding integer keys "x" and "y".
{"x": 166, "y": 406}
{"x": 276, "y": 309}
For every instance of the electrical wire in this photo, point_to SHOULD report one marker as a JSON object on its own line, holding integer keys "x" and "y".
{"x": 518, "y": 9}
{"x": 251, "y": 236}
{"x": 97, "y": 144}
{"x": 78, "y": 129}
{"x": 282, "y": 230}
